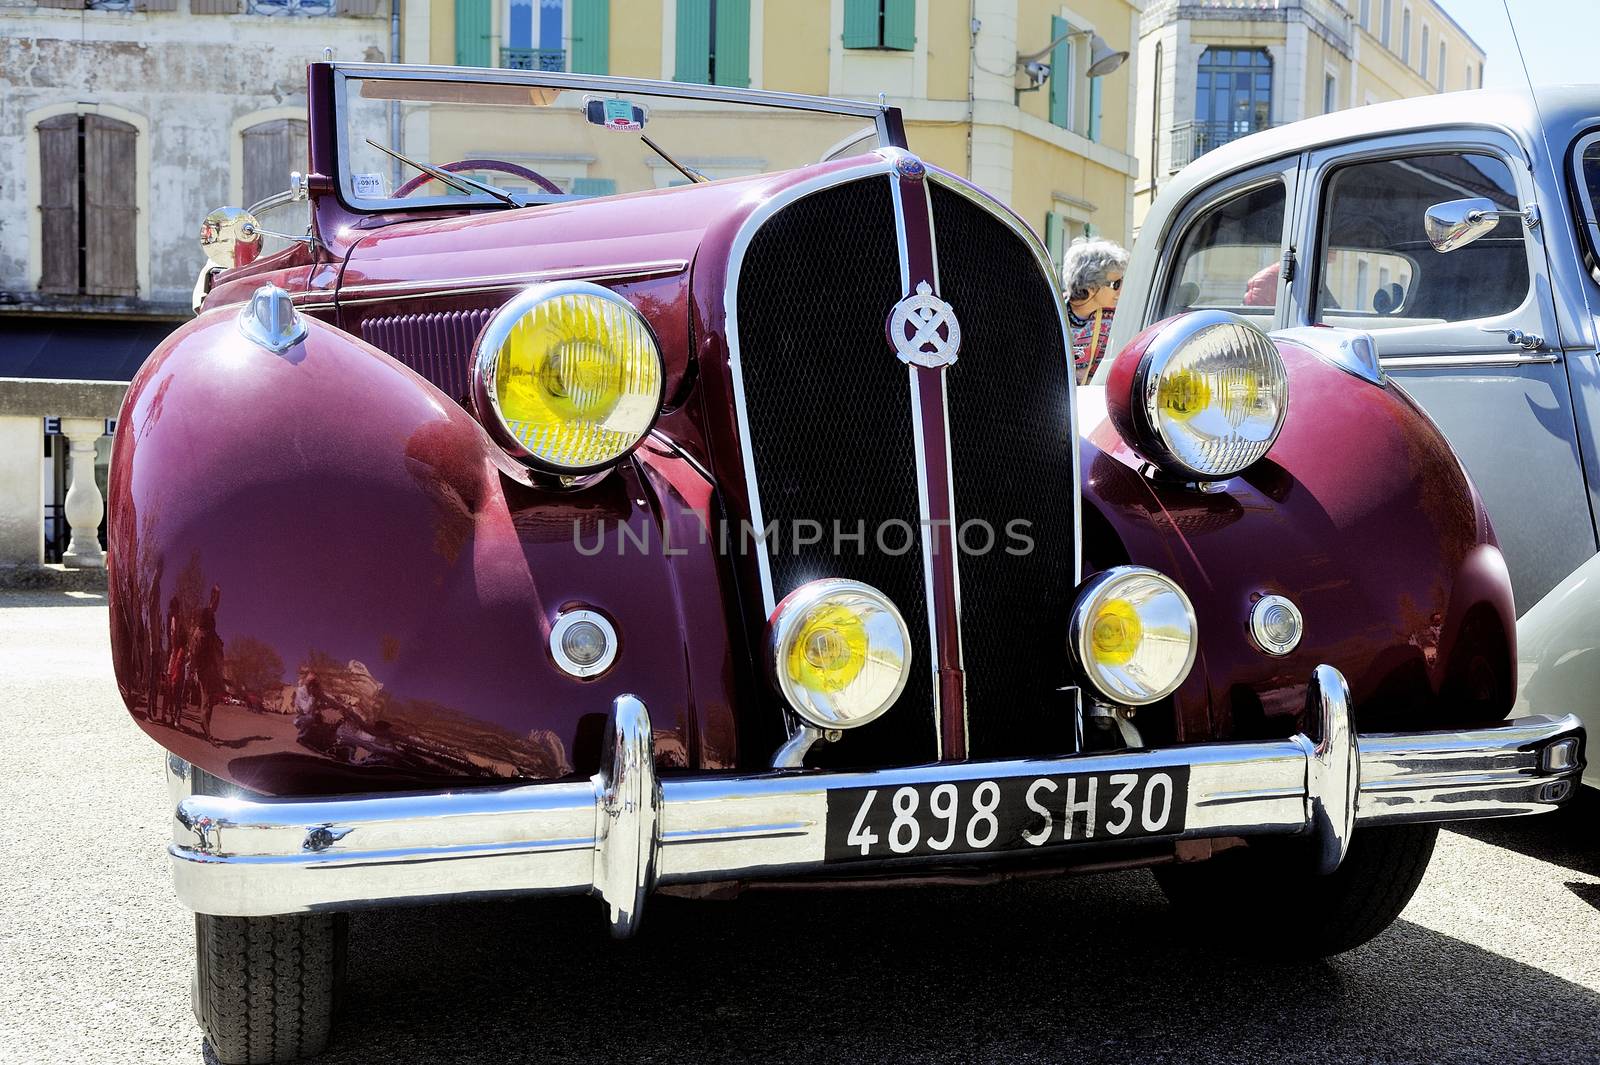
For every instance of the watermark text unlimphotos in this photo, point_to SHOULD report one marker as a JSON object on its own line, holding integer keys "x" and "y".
{"x": 895, "y": 536}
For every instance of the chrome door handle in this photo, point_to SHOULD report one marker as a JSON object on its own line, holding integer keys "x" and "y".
{"x": 1517, "y": 338}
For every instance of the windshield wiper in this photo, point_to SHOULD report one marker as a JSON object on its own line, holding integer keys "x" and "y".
{"x": 460, "y": 182}
{"x": 692, "y": 175}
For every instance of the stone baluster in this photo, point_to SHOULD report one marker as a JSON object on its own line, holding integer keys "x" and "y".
{"x": 85, "y": 504}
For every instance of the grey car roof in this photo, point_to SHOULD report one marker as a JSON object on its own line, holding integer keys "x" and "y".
{"x": 1565, "y": 110}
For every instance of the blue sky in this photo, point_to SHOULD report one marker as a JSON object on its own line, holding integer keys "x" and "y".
{"x": 1558, "y": 37}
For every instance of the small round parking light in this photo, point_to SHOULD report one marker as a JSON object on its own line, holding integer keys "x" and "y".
{"x": 583, "y": 643}
{"x": 1133, "y": 635}
{"x": 839, "y": 652}
{"x": 1276, "y": 625}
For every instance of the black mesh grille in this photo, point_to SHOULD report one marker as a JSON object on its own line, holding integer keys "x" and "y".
{"x": 829, "y": 414}
{"x": 1011, "y": 446}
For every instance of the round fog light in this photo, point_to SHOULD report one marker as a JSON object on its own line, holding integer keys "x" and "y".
{"x": 1276, "y": 625}
{"x": 1133, "y": 635}
{"x": 583, "y": 643}
{"x": 838, "y": 652}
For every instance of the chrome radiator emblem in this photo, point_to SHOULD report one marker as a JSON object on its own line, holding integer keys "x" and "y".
{"x": 924, "y": 330}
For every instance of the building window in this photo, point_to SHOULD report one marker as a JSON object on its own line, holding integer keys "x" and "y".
{"x": 1423, "y": 57}
{"x": 1330, "y": 94}
{"x": 889, "y": 24}
{"x": 87, "y": 174}
{"x": 1441, "y": 66}
{"x": 1233, "y": 96}
{"x": 1405, "y": 36}
{"x": 1061, "y": 79}
{"x": 534, "y": 35}
{"x": 1480, "y": 75}
{"x": 272, "y": 150}
{"x": 713, "y": 42}
{"x": 1387, "y": 15}
{"x": 473, "y": 31}
{"x": 1366, "y": 14}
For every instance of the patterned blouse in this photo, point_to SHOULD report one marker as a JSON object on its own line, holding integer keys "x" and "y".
{"x": 1091, "y": 337}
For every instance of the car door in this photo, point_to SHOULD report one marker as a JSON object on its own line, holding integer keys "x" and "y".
{"x": 1446, "y": 324}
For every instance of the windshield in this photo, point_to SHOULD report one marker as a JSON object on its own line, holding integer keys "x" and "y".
{"x": 591, "y": 137}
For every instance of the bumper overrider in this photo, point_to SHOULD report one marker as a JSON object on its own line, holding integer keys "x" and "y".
{"x": 625, "y": 831}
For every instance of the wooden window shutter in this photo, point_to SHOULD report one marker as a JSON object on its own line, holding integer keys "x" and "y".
{"x": 900, "y": 24}
{"x": 359, "y": 8}
{"x": 58, "y": 203}
{"x": 693, "y": 41}
{"x": 591, "y": 36}
{"x": 271, "y": 151}
{"x": 110, "y": 214}
{"x": 71, "y": 5}
{"x": 1052, "y": 242}
{"x": 472, "y": 33}
{"x": 733, "y": 43}
{"x": 1060, "y": 83}
{"x": 216, "y": 7}
{"x": 861, "y": 23}
{"x": 155, "y": 5}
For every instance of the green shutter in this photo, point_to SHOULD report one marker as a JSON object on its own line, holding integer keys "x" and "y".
{"x": 591, "y": 36}
{"x": 1052, "y": 240}
{"x": 733, "y": 42}
{"x": 900, "y": 24}
{"x": 1094, "y": 109}
{"x": 594, "y": 186}
{"x": 861, "y": 23}
{"x": 472, "y": 33}
{"x": 694, "y": 41}
{"x": 1060, "y": 83}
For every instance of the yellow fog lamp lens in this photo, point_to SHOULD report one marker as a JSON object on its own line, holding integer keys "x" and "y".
{"x": 1211, "y": 395}
{"x": 839, "y": 652}
{"x": 1133, "y": 635}
{"x": 571, "y": 375}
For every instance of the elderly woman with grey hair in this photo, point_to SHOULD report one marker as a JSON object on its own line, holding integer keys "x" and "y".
{"x": 1092, "y": 272}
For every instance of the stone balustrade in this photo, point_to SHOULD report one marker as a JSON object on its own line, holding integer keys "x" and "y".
{"x": 83, "y": 407}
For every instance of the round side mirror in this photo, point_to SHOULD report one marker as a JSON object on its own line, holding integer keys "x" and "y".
{"x": 230, "y": 237}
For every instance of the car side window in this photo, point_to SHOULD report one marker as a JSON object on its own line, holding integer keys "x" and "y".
{"x": 1229, "y": 257}
{"x": 1377, "y": 269}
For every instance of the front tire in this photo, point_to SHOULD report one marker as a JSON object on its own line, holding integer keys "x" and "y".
{"x": 1268, "y": 899}
{"x": 264, "y": 989}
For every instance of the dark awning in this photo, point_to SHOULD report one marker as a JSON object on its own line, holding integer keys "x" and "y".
{"x": 77, "y": 349}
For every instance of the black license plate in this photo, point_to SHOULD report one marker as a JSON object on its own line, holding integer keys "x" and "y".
{"x": 1007, "y": 813}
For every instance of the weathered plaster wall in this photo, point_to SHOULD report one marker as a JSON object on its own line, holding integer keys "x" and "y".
{"x": 192, "y": 77}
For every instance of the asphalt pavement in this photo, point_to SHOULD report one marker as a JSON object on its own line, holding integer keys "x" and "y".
{"x": 1496, "y": 959}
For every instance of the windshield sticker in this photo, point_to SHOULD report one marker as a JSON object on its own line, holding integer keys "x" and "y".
{"x": 368, "y": 186}
{"x": 613, "y": 114}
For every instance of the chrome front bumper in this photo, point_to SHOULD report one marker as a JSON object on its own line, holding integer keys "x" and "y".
{"x": 625, "y": 831}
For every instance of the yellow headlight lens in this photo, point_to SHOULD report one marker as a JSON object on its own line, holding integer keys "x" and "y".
{"x": 839, "y": 652}
{"x": 573, "y": 374}
{"x": 1215, "y": 394}
{"x": 1134, "y": 635}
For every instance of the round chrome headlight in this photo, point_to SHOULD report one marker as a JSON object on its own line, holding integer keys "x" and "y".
{"x": 839, "y": 652}
{"x": 1208, "y": 396}
{"x": 1133, "y": 634}
{"x": 568, "y": 376}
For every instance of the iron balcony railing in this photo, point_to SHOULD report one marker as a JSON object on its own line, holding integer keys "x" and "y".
{"x": 1191, "y": 140}
{"x": 547, "y": 59}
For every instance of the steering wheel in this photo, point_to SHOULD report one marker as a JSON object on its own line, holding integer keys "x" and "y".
{"x": 481, "y": 164}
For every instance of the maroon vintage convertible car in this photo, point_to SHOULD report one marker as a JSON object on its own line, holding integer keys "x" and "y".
{"x": 554, "y": 519}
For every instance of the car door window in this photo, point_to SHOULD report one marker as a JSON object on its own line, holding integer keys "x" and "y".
{"x": 1376, "y": 267}
{"x": 1229, "y": 257}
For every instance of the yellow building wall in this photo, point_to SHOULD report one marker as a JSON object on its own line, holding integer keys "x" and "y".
{"x": 636, "y": 39}
{"x": 789, "y": 66}
{"x": 949, "y": 50}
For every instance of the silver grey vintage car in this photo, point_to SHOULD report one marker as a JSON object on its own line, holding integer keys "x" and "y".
{"x": 1454, "y": 242}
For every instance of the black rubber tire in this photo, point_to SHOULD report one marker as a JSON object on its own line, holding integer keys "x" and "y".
{"x": 1267, "y": 899}
{"x": 265, "y": 986}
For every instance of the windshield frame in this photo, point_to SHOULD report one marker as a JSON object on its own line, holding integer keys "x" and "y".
{"x": 885, "y": 118}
